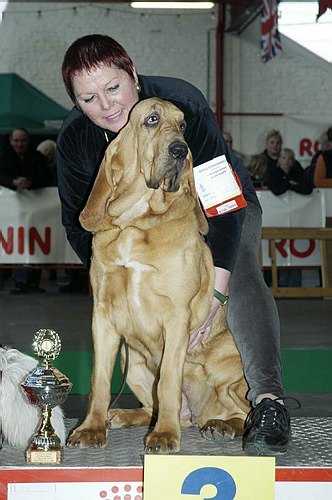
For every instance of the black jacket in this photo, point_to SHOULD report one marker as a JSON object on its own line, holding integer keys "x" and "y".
{"x": 327, "y": 155}
{"x": 279, "y": 182}
{"x": 81, "y": 147}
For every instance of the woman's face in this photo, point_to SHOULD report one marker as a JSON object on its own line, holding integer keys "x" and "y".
{"x": 48, "y": 151}
{"x": 273, "y": 146}
{"x": 106, "y": 96}
{"x": 285, "y": 161}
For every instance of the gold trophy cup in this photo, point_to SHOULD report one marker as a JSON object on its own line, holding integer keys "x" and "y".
{"x": 45, "y": 387}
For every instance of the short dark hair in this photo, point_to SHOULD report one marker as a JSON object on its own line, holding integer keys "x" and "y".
{"x": 20, "y": 129}
{"x": 92, "y": 51}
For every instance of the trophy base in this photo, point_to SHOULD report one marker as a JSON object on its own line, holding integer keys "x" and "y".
{"x": 48, "y": 457}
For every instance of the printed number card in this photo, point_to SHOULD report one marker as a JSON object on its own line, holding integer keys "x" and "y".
{"x": 172, "y": 477}
{"x": 217, "y": 187}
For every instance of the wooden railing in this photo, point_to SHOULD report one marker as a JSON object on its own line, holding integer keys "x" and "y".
{"x": 324, "y": 235}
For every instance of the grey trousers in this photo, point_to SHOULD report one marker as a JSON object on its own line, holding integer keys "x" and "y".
{"x": 252, "y": 313}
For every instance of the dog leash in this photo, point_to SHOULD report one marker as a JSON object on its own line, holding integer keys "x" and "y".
{"x": 125, "y": 372}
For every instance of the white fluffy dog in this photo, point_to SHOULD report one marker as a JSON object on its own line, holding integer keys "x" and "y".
{"x": 18, "y": 418}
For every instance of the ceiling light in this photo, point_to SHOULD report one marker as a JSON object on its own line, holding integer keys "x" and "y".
{"x": 172, "y": 5}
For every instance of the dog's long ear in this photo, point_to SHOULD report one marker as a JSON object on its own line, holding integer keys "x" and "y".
{"x": 92, "y": 217}
{"x": 202, "y": 221}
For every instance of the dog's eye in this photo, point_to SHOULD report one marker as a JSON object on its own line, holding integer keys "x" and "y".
{"x": 183, "y": 126}
{"x": 152, "y": 119}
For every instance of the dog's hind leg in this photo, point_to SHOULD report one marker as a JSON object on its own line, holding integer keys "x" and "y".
{"x": 229, "y": 414}
{"x": 132, "y": 417}
{"x": 140, "y": 378}
{"x": 142, "y": 383}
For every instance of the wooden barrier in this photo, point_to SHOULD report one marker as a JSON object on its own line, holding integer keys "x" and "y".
{"x": 274, "y": 234}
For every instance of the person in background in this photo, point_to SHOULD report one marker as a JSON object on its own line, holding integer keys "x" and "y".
{"x": 23, "y": 168}
{"x": 273, "y": 145}
{"x": 78, "y": 279}
{"x": 48, "y": 149}
{"x": 229, "y": 141}
{"x": 288, "y": 175}
{"x": 104, "y": 85}
{"x": 324, "y": 145}
{"x": 322, "y": 177}
{"x": 323, "y": 169}
{"x": 257, "y": 167}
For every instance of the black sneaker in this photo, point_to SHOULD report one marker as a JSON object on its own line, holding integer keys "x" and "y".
{"x": 267, "y": 429}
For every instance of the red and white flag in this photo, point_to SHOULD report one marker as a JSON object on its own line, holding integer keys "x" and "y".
{"x": 323, "y": 6}
{"x": 270, "y": 35}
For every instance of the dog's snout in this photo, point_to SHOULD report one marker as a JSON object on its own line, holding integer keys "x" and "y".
{"x": 178, "y": 150}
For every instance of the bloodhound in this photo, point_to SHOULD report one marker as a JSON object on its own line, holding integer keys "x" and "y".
{"x": 152, "y": 280}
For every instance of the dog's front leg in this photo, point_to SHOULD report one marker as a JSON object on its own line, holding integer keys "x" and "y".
{"x": 166, "y": 436}
{"x": 93, "y": 431}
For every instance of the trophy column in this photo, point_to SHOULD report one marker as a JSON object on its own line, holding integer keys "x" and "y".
{"x": 46, "y": 387}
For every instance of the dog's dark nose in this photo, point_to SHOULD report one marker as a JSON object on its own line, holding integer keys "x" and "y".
{"x": 178, "y": 150}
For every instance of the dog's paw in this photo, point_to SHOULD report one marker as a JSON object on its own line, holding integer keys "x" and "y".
{"x": 162, "y": 443}
{"x": 133, "y": 417}
{"x": 88, "y": 437}
{"x": 217, "y": 429}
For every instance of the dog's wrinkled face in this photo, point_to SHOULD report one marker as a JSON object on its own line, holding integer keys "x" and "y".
{"x": 162, "y": 150}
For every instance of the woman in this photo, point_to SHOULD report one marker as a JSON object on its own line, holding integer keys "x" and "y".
{"x": 323, "y": 168}
{"x": 273, "y": 145}
{"x": 288, "y": 176}
{"x": 257, "y": 168}
{"x": 103, "y": 84}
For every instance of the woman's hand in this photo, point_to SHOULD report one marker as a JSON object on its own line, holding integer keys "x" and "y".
{"x": 201, "y": 334}
{"x": 21, "y": 183}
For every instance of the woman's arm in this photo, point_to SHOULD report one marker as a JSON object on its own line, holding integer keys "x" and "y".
{"x": 206, "y": 142}
{"x": 298, "y": 180}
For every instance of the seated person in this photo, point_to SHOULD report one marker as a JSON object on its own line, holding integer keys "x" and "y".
{"x": 288, "y": 175}
{"x": 257, "y": 167}
{"x": 273, "y": 145}
{"x": 324, "y": 145}
{"x": 22, "y": 168}
{"x": 48, "y": 149}
{"x": 229, "y": 141}
{"x": 323, "y": 169}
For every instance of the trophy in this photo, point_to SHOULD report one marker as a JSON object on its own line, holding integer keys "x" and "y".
{"x": 45, "y": 387}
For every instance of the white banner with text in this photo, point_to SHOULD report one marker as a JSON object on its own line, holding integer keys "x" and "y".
{"x": 30, "y": 228}
{"x": 31, "y": 231}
